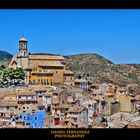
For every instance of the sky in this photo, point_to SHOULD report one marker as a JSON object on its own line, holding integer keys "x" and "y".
{"x": 113, "y": 34}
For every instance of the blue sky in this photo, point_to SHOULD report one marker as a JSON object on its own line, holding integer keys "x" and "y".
{"x": 114, "y": 34}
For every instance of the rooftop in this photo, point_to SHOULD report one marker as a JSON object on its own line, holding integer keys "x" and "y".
{"x": 47, "y": 94}
{"x": 22, "y": 39}
{"x": 40, "y": 104}
{"x": 80, "y": 80}
{"x": 46, "y": 57}
{"x": 51, "y": 63}
{"x": 6, "y": 104}
{"x": 68, "y": 72}
{"x": 26, "y": 93}
{"x": 76, "y": 109}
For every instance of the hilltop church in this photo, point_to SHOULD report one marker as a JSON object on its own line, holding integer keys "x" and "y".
{"x": 45, "y": 69}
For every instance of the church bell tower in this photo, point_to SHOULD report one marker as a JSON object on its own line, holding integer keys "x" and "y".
{"x": 23, "y": 47}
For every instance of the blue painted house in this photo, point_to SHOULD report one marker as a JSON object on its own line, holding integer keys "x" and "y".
{"x": 33, "y": 121}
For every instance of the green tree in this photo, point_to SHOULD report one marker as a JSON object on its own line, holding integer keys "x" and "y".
{"x": 2, "y": 67}
{"x": 10, "y": 76}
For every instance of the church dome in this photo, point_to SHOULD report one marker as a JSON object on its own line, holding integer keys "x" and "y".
{"x": 23, "y": 39}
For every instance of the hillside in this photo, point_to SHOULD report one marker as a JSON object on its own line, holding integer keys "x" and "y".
{"x": 5, "y": 58}
{"x": 97, "y": 69}
{"x": 5, "y": 55}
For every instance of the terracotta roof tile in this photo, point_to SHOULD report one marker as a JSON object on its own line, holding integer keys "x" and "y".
{"x": 26, "y": 93}
{"x": 80, "y": 80}
{"x": 76, "y": 109}
{"x": 47, "y": 57}
{"x": 8, "y": 104}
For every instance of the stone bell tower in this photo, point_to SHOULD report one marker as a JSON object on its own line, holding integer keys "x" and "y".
{"x": 23, "y": 47}
{"x": 22, "y": 57}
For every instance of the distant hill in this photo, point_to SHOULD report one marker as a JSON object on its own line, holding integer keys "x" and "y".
{"x": 5, "y": 58}
{"x": 5, "y": 55}
{"x": 98, "y": 69}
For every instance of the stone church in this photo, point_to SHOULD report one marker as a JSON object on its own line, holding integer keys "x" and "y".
{"x": 42, "y": 68}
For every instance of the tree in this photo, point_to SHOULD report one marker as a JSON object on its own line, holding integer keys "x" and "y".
{"x": 10, "y": 76}
{"x": 2, "y": 67}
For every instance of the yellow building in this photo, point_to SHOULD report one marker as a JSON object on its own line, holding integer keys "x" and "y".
{"x": 44, "y": 78}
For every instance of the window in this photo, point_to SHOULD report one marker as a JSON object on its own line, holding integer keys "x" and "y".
{"x": 27, "y": 123}
{"x": 15, "y": 107}
{"x": 36, "y": 118}
{"x": 19, "y": 109}
{"x": 19, "y": 97}
{"x": 47, "y": 82}
{"x": 23, "y": 107}
{"x": 50, "y": 81}
{"x": 7, "y": 108}
{"x": 27, "y": 107}
{"x": 40, "y": 96}
{"x": 56, "y": 71}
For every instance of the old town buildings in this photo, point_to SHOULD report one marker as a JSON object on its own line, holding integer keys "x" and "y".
{"x": 66, "y": 106}
{"x": 54, "y": 98}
